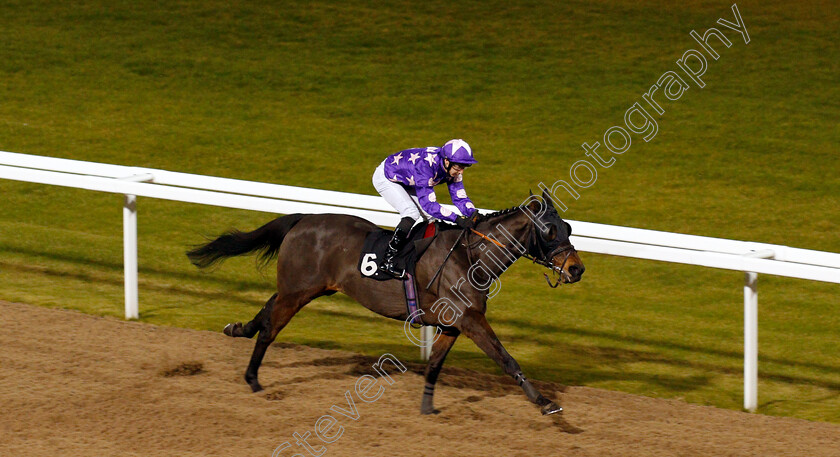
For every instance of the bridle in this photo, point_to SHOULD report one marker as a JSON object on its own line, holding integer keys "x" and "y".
{"x": 547, "y": 260}
{"x": 541, "y": 258}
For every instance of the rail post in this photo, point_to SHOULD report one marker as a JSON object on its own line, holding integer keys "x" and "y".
{"x": 132, "y": 307}
{"x": 751, "y": 332}
{"x": 132, "y": 302}
{"x": 750, "y": 341}
{"x": 427, "y": 335}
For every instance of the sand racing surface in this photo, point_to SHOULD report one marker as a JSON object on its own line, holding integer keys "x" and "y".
{"x": 77, "y": 385}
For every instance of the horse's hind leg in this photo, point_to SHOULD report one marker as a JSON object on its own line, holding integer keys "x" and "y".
{"x": 259, "y": 322}
{"x": 279, "y": 314}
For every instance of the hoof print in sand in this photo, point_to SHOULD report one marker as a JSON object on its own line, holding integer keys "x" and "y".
{"x": 184, "y": 369}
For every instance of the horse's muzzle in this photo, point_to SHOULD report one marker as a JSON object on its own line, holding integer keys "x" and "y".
{"x": 569, "y": 266}
{"x": 574, "y": 273}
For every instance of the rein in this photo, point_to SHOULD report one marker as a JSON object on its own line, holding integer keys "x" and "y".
{"x": 445, "y": 259}
{"x": 567, "y": 248}
{"x": 542, "y": 259}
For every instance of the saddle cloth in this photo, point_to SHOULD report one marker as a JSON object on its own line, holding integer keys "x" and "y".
{"x": 376, "y": 243}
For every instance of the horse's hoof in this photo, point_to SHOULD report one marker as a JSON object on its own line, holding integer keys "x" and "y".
{"x": 253, "y": 382}
{"x": 427, "y": 411}
{"x": 230, "y": 328}
{"x": 551, "y": 408}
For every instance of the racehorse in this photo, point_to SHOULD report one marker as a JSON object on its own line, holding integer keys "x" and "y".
{"x": 318, "y": 255}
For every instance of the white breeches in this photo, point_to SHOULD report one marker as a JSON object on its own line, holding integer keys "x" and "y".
{"x": 396, "y": 195}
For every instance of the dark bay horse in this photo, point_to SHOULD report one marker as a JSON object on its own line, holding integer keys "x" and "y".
{"x": 318, "y": 255}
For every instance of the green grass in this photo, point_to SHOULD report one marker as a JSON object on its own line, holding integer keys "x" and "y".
{"x": 315, "y": 94}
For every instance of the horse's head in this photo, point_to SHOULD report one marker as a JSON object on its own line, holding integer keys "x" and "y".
{"x": 549, "y": 241}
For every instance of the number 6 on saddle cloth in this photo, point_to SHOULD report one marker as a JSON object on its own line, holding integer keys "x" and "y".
{"x": 373, "y": 251}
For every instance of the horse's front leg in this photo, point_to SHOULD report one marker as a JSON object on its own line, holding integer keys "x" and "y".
{"x": 474, "y": 325}
{"x": 441, "y": 347}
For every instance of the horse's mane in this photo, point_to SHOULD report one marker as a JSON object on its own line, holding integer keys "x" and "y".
{"x": 500, "y": 213}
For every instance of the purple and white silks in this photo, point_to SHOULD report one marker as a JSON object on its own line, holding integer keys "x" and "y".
{"x": 419, "y": 170}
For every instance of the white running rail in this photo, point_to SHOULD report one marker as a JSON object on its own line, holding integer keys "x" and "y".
{"x": 751, "y": 258}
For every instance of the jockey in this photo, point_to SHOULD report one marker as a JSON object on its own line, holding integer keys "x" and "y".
{"x": 406, "y": 180}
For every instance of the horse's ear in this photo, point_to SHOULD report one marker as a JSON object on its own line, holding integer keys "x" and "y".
{"x": 547, "y": 197}
{"x": 533, "y": 204}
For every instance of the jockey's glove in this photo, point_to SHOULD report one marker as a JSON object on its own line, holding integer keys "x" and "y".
{"x": 465, "y": 222}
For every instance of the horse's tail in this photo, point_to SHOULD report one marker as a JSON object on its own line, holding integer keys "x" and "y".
{"x": 265, "y": 240}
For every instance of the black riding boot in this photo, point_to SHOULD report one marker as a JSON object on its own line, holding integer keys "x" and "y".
{"x": 397, "y": 242}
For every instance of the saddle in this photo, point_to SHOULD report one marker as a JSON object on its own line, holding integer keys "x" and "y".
{"x": 376, "y": 243}
{"x": 373, "y": 251}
